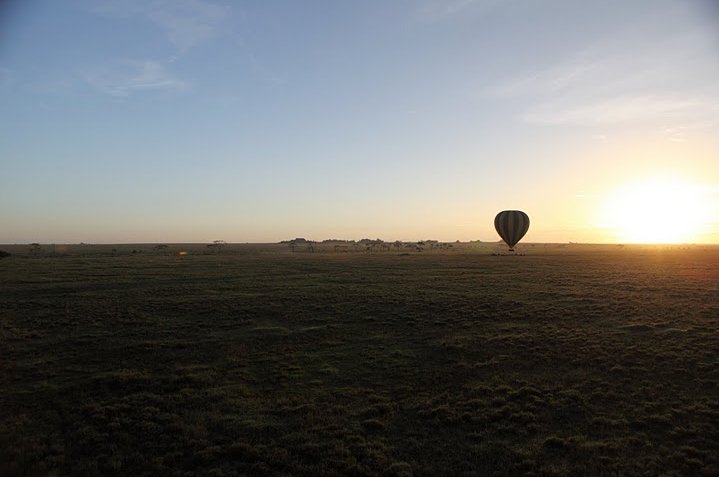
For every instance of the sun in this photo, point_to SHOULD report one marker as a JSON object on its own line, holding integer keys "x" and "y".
{"x": 658, "y": 209}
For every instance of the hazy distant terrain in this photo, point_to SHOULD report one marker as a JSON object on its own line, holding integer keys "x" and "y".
{"x": 254, "y": 359}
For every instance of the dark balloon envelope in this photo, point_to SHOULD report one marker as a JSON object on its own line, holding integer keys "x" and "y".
{"x": 511, "y": 225}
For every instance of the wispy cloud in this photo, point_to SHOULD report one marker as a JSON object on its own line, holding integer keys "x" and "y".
{"x": 606, "y": 84}
{"x": 612, "y": 110}
{"x": 435, "y": 10}
{"x": 126, "y": 77}
{"x": 676, "y": 134}
{"x": 186, "y": 23}
{"x": 554, "y": 79}
{"x": 684, "y": 132}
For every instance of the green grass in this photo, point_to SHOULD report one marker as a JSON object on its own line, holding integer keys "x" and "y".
{"x": 254, "y": 360}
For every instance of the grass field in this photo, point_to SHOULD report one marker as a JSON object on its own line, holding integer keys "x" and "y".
{"x": 254, "y": 360}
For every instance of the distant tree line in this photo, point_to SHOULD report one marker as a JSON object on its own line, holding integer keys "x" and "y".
{"x": 364, "y": 244}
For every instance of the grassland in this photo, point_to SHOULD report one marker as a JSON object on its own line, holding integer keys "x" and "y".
{"x": 254, "y": 360}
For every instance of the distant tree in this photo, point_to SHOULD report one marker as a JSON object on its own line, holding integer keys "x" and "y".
{"x": 4, "y": 254}
{"x": 217, "y": 244}
{"x": 35, "y": 247}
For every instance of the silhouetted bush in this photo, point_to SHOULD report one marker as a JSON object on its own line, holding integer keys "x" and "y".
{"x": 4, "y": 254}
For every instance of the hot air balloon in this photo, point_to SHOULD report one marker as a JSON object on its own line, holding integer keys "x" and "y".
{"x": 511, "y": 225}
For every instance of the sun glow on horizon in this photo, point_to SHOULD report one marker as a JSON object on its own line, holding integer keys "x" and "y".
{"x": 659, "y": 209}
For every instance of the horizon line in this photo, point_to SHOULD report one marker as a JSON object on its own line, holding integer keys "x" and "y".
{"x": 570, "y": 242}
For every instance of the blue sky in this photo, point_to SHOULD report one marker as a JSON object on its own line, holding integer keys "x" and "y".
{"x": 194, "y": 120}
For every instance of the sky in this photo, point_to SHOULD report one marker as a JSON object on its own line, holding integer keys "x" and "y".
{"x": 199, "y": 120}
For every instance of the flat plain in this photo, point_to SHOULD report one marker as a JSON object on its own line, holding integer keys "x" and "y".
{"x": 258, "y": 360}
